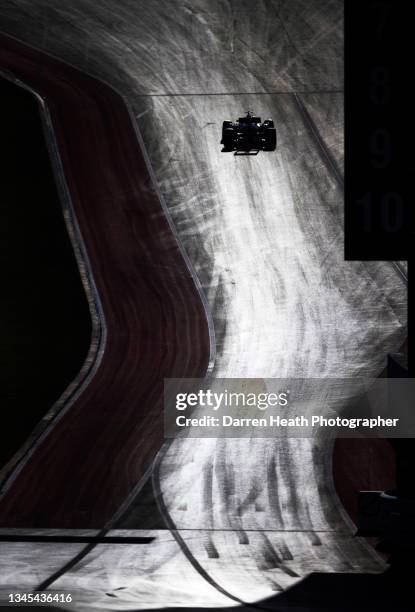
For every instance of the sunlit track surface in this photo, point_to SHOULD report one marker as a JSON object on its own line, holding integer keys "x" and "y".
{"x": 265, "y": 236}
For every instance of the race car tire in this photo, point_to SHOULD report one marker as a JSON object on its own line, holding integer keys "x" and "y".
{"x": 228, "y": 139}
{"x": 270, "y": 137}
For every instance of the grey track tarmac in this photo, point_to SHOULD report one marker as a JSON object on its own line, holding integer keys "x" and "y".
{"x": 265, "y": 235}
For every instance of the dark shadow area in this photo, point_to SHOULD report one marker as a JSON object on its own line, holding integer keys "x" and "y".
{"x": 44, "y": 313}
{"x": 77, "y": 539}
{"x": 362, "y": 464}
{"x": 143, "y": 512}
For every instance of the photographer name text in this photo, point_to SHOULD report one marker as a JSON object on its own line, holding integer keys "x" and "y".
{"x": 277, "y": 421}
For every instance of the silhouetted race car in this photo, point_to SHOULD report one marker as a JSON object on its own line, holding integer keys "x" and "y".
{"x": 249, "y": 133}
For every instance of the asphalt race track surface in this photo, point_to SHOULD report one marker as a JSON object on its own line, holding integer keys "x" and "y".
{"x": 152, "y": 315}
{"x": 246, "y": 518}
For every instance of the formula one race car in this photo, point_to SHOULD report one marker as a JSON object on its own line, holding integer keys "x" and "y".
{"x": 249, "y": 133}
